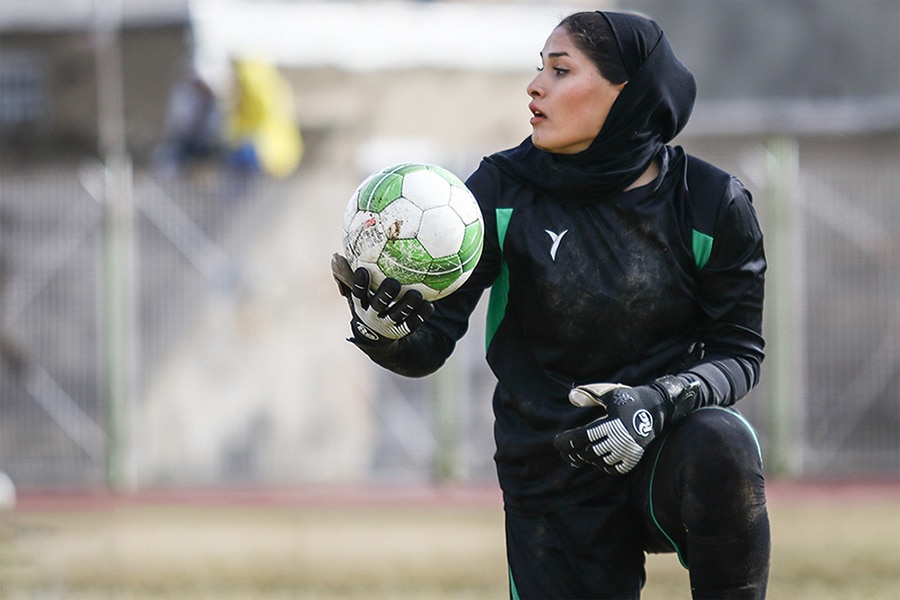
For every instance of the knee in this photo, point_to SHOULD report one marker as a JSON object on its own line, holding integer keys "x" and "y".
{"x": 722, "y": 470}
{"x": 721, "y": 443}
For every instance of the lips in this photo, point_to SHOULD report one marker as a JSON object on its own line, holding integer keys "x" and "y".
{"x": 537, "y": 115}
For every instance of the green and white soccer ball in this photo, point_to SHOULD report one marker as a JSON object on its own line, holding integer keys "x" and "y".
{"x": 416, "y": 223}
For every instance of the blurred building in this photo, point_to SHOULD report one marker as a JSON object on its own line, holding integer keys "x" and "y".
{"x": 50, "y": 67}
{"x": 236, "y": 367}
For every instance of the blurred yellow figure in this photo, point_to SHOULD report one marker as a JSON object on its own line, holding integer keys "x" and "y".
{"x": 261, "y": 129}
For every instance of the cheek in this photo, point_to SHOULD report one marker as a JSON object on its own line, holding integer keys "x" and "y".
{"x": 589, "y": 115}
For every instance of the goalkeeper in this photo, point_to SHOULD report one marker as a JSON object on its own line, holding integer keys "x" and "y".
{"x": 624, "y": 321}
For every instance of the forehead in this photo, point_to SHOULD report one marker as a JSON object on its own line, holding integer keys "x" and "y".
{"x": 559, "y": 42}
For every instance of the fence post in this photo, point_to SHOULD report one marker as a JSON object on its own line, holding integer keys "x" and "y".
{"x": 118, "y": 247}
{"x": 784, "y": 308}
{"x": 447, "y": 421}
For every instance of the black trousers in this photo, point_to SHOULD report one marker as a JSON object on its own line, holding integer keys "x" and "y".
{"x": 698, "y": 491}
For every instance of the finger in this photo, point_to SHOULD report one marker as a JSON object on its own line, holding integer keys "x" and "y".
{"x": 575, "y": 460}
{"x": 563, "y": 444}
{"x": 593, "y": 394}
{"x": 419, "y": 315}
{"x": 343, "y": 290}
{"x": 385, "y": 295}
{"x": 343, "y": 275}
{"x": 602, "y": 454}
{"x": 572, "y": 441}
{"x": 411, "y": 309}
{"x": 360, "y": 286}
{"x": 594, "y": 440}
{"x": 579, "y": 459}
{"x": 405, "y": 306}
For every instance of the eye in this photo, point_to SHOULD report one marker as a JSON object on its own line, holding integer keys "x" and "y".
{"x": 559, "y": 71}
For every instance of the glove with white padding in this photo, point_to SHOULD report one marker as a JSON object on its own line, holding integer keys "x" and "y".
{"x": 378, "y": 317}
{"x": 634, "y": 416}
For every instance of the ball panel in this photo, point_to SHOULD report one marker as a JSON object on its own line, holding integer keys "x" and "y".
{"x": 448, "y": 176}
{"x": 463, "y": 202}
{"x": 401, "y": 219}
{"x": 378, "y": 191}
{"x": 365, "y": 238}
{"x": 441, "y": 232}
{"x": 443, "y": 272}
{"x": 351, "y": 211}
{"x": 428, "y": 293}
{"x": 472, "y": 245}
{"x": 450, "y": 288}
{"x": 404, "y": 169}
{"x": 404, "y": 260}
{"x": 426, "y": 189}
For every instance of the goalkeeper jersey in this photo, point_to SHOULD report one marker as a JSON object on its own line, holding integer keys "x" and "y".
{"x": 662, "y": 279}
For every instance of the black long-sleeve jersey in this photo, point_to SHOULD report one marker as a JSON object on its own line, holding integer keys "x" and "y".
{"x": 623, "y": 289}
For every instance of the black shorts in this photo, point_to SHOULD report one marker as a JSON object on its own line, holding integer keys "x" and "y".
{"x": 698, "y": 491}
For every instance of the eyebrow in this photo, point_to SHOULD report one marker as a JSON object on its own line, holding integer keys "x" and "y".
{"x": 555, "y": 54}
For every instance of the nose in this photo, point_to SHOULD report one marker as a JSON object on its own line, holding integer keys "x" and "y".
{"x": 534, "y": 89}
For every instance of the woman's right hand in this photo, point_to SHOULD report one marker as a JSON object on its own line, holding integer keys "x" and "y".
{"x": 378, "y": 317}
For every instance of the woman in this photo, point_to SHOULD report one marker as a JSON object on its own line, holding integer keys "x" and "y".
{"x": 625, "y": 315}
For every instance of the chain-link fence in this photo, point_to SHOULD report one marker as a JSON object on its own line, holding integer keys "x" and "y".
{"x": 828, "y": 403}
{"x": 186, "y": 236}
{"x": 239, "y": 373}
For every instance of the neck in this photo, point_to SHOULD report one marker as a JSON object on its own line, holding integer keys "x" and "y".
{"x": 648, "y": 176}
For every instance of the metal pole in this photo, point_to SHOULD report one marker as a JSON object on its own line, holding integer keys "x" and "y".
{"x": 784, "y": 307}
{"x": 447, "y": 422}
{"x": 118, "y": 247}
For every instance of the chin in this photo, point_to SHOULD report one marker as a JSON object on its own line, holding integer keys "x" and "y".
{"x": 540, "y": 145}
{"x": 553, "y": 148}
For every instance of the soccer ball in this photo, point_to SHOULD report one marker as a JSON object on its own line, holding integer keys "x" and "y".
{"x": 416, "y": 223}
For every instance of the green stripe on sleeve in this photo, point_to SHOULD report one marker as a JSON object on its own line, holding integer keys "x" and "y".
{"x": 702, "y": 246}
{"x": 513, "y": 592}
{"x": 500, "y": 289}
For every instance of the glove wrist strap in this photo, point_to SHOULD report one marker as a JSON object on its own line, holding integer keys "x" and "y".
{"x": 375, "y": 350}
{"x": 680, "y": 395}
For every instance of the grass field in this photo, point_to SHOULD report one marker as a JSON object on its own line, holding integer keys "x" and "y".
{"x": 832, "y": 542}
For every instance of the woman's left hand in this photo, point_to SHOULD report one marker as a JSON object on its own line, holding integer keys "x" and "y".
{"x": 634, "y": 417}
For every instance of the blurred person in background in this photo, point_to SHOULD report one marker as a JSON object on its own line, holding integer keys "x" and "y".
{"x": 625, "y": 321}
{"x": 193, "y": 124}
{"x": 261, "y": 133}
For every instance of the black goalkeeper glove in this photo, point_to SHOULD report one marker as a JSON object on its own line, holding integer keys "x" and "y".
{"x": 378, "y": 318}
{"x": 634, "y": 417}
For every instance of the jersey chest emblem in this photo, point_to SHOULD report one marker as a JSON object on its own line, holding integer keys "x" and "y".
{"x": 555, "y": 240}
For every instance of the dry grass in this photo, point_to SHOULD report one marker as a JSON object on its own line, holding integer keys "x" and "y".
{"x": 822, "y": 550}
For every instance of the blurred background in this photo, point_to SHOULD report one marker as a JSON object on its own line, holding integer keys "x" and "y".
{"x": 173, "y": 176}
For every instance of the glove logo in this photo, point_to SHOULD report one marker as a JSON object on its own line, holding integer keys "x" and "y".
{"x": 366, "y": 332}
{"x": 642, "y": 423}
{"x": 621, "y": 397}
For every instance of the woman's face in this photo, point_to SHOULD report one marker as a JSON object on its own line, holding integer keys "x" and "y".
{"x": 570, "y": 99}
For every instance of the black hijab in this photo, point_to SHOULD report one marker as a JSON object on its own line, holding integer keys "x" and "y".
{"x": 652, "y": 108}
